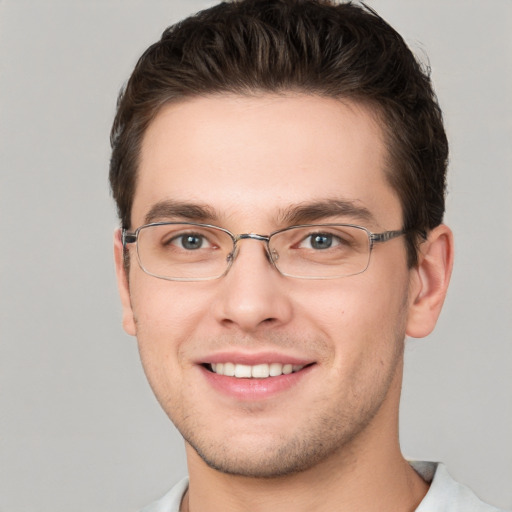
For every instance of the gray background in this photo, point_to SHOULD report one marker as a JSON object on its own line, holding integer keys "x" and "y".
{"x": 79, "y": 427}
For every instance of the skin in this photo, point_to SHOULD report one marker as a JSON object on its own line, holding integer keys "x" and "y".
{"x": 330, "y": 440}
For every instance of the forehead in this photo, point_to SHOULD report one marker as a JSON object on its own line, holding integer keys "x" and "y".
{"x": 253, "y": 157}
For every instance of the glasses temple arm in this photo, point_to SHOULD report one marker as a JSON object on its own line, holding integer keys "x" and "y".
{"x": 127, "y": 237}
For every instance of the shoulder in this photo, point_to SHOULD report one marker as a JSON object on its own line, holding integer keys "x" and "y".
{"x": 445, "y": 494}
{"x": 171, "y": 501}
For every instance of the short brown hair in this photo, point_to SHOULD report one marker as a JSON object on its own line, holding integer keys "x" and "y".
{"x": 316, "y": 47}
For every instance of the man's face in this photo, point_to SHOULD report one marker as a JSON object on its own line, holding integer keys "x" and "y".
{"x": 249, "y": 162}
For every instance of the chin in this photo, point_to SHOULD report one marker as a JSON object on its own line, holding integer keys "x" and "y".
{"x": 273, "y": 457}
{"x": 278, "y": 464}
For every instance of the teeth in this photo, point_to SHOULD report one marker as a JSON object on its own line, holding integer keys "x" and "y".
{"x": 258, "y": 371}
{"x": 229, "y": 369}
{"x": 242, "y": 370}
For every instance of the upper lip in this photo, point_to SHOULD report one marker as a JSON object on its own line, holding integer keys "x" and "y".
{"x": 252, "y": 359}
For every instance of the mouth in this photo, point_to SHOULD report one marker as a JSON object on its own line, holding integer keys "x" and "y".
{"x": 250, "y": 378}
{"x": 257, "y": 371}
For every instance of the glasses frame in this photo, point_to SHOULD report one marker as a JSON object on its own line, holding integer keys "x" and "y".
{"x": 130, "y": 237}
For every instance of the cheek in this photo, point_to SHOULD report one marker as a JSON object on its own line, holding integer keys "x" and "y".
{"x": 362, "y": 317}
{"x": 166, "y": 317}
{"x": 341, "y": 306}
{"x": 164, "y": 307}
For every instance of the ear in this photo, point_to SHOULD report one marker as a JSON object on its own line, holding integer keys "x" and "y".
{"x": 123, "y": 286}
{"x": 429, "y": 282}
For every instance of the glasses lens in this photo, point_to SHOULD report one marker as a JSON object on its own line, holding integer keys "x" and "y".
{"x": 322, "y": 251}
{"x": 185, "y": 252}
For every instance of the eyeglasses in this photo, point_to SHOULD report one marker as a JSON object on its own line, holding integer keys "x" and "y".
{"x": 199, "y": 252}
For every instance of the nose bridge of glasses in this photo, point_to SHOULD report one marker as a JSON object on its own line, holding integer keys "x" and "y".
{"x": 250, "y": 236}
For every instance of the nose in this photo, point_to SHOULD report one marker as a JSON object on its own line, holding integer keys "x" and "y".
{"x": 253, "y": 295}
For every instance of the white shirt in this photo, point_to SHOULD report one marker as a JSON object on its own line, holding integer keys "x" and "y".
{"x": 444, "y": 494}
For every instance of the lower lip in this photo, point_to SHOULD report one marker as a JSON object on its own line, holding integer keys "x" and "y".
{"x": 254, "y": 389}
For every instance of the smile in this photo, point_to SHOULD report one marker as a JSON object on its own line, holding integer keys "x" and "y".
{"x": 257, "y": 371}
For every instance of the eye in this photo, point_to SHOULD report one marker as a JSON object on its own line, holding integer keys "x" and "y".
{"x": 320, "y": 241}
{"x": 190, "y": 241}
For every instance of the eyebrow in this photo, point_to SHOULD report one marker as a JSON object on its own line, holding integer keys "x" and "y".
{"x": 171, "y": 209}
{"x": 305, "y": 213}
{"x": 302, "y": 213}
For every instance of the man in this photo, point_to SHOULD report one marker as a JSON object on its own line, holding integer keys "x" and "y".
{"x": 279, "y": 170}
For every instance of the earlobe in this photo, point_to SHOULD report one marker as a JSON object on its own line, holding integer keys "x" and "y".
{"x": 123, "y": 286}
{"x": 429, "y": 282}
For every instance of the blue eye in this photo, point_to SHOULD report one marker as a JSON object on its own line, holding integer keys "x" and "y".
{"x": 189, "y": 241}
{"x": 321, "y": 241}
